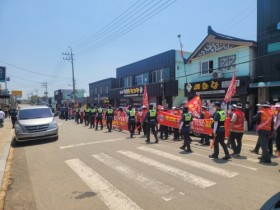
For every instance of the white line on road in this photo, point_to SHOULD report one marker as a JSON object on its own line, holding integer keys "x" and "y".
{"x": 111, "y": 196}
{"x": 192, "y": 163}
{"x": 89, "y": 143}
{"x": 242, "y": 166}
{"x": 150, "y": 184}
{"x": 184, "y": 175}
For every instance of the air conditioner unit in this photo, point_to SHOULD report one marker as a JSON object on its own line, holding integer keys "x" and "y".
{"x": 217, "y": 75}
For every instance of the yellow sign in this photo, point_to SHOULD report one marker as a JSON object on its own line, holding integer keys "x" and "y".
{"x": 16, "y": 92}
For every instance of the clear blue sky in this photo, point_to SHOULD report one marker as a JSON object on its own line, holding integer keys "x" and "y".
{"x": 34, "y": 34}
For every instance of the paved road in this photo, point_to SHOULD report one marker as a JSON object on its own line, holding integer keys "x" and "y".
{"x": 88, "y": 169}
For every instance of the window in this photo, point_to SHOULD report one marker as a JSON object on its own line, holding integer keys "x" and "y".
{"x": 100, "y": 90}
{"x": 273, "y": 47}
{"x": 139, "y": 79}
{"x": 160, "y": 75}
{"x": 95, "y": 90}
{"x": 206, "y": 67}
{"x": 106, "y": 89}
{"x": 127, "y": 81}
{"x": 227, "y": 62}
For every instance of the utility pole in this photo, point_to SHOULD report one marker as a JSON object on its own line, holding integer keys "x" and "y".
{"x": 70, "y": 58}
{"x": 45, "y": 85}
{"x": 37, "y": 97}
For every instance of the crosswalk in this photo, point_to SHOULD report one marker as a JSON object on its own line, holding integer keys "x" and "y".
{"x": 155, "y": 158}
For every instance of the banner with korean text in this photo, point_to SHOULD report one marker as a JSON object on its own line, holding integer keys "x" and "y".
{"x": 194, "y": 106}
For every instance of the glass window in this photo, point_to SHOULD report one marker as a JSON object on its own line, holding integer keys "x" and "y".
{"x": 166, "y": 74}
{"x": 160, "y": 75}
{"x": 204, "y": 68}
{"x": 100, "y": 90}
{"x": 227, "y": 62}
{"x": 139, "y": 79}
{"x": 95, "y": 90}
{"x": 34, "y": 113}
{"x": 127, "y": 81}
{"x": 107, "y": 89}
{"x": 146, "y": 78}
{"x": 273, "y": 47}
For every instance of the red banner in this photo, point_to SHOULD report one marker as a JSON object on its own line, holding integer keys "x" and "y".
{"x": 145, "y": 97}
{"x": 194, "y": 106}
{"x": 168, "y": 119}
{"x": 231, "y": 89}
{"x": 202, "y": 126}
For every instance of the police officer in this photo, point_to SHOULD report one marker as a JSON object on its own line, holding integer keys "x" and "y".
{"x": 144, "y": 122}
{"x": 109, "y": 118}
{"x": 86, "y": 111}
{"x": 265, "y": 128}
{"x": 14, "y": 116}
{"x": 131, "y": 120}
{"x": 92, "y": 113}
{"x": 236, "y": 129}
{"x": 99, "y": 117}
{"x": 185, "y": 128}
{"x": 77, "y": 115}
{"x": 219, "y": 132}
{"x": 151, "y": 117}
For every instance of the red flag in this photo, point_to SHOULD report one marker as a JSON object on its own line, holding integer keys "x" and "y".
{"x": 145, "y": 97}
{"x": 194, "y": 106}
{"x": 231, "y": 89}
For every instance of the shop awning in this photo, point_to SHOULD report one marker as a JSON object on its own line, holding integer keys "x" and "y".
{"x": 265, "y": 84}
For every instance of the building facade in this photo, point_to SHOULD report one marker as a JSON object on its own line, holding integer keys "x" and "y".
{"x": 212, "y": 65}
{"x": 158, "y": 73}
{"x": 65, "y": 96}
{"x": 267, "y": 79}
{"x": 99, "y": 91}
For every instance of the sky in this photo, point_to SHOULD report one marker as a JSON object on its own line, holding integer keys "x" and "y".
{"x": 105, "y": 35}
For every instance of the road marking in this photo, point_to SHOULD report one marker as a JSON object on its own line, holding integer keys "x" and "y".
{"x": 111, "y": 196}
{"x": 89, "y": 143}
{"x": 192, "y": 163}
{"x": 184, "y": 175}
{"x": 150, "y": 184}
{"x": 247, "y": 167}
{"x": 59, "y": 124}
{"x": 248, "y": 145}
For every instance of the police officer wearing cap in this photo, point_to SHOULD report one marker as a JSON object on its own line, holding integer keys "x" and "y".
{"x": 99, "y": 117}
{"x": 131, "y": 120}
{"x": 151, "y": 117}
{"x": 219, "y": 132}
{"x": 109, "y": 117}
{"x": 185, "y": 128}
{"x": 92, "y": 113}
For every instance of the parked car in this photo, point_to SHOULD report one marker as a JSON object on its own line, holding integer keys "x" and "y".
{"x": 35, "y": 122}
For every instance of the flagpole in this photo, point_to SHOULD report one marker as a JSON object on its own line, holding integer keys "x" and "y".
{"x": 181, "y": 47}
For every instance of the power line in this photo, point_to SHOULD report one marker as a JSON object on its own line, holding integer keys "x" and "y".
{"x": 121, "y": 33}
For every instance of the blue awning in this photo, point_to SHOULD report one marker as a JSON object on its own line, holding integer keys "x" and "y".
{"x": 265, "y": 84}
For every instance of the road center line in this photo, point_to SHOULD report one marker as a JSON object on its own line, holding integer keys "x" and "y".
{"x": 111, "y": 196}
{"x": 89, "y": 143}
{"x": 184, "y": 175}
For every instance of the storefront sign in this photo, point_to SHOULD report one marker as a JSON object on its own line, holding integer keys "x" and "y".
{"x": 2, "y": 74}
{"x": 226, "y": 84}
{"x": 130, "y": 92}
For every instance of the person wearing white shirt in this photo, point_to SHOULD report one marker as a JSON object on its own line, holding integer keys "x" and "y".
{"x": 2, "y": 116}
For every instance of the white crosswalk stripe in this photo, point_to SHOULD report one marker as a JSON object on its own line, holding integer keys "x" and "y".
{"x": 150, "y": 184}
{"x": 184, "y": 175}
{"x": 89, "y": 143}
{"x": 112, "y": 197}
{"x": 192, "y": 163}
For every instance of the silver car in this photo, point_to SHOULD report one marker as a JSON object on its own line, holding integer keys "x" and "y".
{"x": 35, "y": 122}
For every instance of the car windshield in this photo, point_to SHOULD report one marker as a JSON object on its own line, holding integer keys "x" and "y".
{"x": 34, "y": 113}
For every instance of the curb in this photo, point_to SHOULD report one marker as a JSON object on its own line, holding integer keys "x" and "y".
{"x": 4, "y": 156}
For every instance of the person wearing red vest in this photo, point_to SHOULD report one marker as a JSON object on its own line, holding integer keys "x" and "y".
{"x": 205, "y": 114}
{"x": 236, "y": 129}
{"x": 265, "y": 129}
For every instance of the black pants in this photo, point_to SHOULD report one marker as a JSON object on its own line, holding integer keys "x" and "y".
{"x": 269, "y": 145}
{"x": 99, "y": 121}
{"x": 220, "y": 138}
{"x": 145, "y": 125}
{"x": 187, "y": 140}
{"x": 92, "y": 121}
{"x": 236, "y": 138}
{"x": 154, "y": 131}
{"x": 176, "y": 133}
{"x": 163, "y": 131}
{"x": 86, "y": 120}
{"x": 278, "y": 138}
{"x": 109, "y": 123}
{"x": 14, "y": 119}
{"x": 205, "y": 139}
{"x": 131, "y": 127}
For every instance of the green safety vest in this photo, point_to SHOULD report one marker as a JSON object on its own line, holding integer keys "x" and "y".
{"x": 222, "y": 114}
{"x": 188, "y": 117}
{"x": 99, "y": 110}
{"x": 132, "y": 113}
{"x": 110, "y": 111}
{"x": 152, "y": 113}
{"x": 92, "y": 110}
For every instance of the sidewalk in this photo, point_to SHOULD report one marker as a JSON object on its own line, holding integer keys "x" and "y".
{"x": 6, "y": 136}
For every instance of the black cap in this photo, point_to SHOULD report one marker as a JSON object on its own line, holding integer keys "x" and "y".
{"x": 185, "y": 109}
{"x": 217, "y": 104}
{"x": 151, "y": 106}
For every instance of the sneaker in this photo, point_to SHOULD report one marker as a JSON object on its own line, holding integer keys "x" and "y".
{"x": 227, "y": 157}
{"x": 182, "y": 148}
{"x": 148, "y": 142}
{"x": 265, "y": 161}
{"x": 189, "y": 150}
{"x": 156, "y": 142}
{"x": 213, "y": 156}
